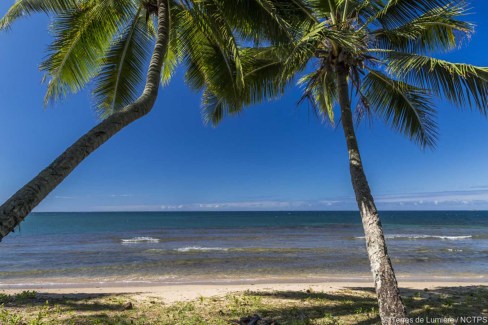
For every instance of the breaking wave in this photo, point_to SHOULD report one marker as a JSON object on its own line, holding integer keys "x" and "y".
{"x": 138, "y": 240}
{"x": 199, "y": 249}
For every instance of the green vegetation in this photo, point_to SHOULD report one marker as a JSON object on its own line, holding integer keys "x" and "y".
{"x": 354, "y": 306}
{"x": 20, "y": 297}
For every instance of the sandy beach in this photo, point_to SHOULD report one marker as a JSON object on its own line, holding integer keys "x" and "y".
{"x": 185, "y": 292}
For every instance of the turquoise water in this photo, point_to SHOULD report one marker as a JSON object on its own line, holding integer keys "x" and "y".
{"x": 207, "y": 246}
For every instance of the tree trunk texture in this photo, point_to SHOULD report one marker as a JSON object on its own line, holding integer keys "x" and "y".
{"x": 15, "y": 209}
{"x": 390, "y": 303}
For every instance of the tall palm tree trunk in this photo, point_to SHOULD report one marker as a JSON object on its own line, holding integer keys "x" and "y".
{"x": 390, "y": 303}
{"x": 15, "y": 209}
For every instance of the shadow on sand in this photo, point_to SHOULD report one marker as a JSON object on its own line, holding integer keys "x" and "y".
{"x": 360, "y": 303}
{"x": 353, "y": 305}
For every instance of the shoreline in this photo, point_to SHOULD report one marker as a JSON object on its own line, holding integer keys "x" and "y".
{"x": 243, "y": 279}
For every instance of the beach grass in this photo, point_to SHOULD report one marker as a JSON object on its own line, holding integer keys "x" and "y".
{"x": 347, "y": 306}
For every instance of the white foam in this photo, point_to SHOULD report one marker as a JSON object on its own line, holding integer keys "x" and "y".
{"x": 199, "y": 249}
{"x": 413, "y": 236}
{"x": 137, "y": 240}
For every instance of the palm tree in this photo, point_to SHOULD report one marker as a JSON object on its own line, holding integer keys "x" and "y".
{"x": 109, "y": 42}
{"x": 378, "y": 57}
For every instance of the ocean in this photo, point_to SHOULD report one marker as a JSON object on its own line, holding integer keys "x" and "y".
{"x": 195, "y": 247}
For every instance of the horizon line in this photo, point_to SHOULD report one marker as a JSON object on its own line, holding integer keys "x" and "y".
{"x": 213, "y": 211}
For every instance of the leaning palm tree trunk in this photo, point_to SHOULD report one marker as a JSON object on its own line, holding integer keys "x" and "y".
{"x": 390, "y": 303}
{"x": 15, "y": 209}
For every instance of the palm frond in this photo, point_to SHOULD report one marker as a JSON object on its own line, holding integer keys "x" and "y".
{"x": 208, "y": 17}
{"x": 365, "y": 11}
{"x": 396, "y": 13}
{"x": 209, "y": 64}
{"x": 263, "y": 74}
{"x": 262, "y": 81}
{"x": 321, "y": 92}
{"x": 273, "y": 21}
{"x": 174, "y": 55}
{"x": 171, "y": 61}
{"x": 462, "y": 84}
{"x": 437, "y": 30}
{"x": 320, "y": 36}
{"x": 405, "y": 107}
{"x": 321, "y": 8}
{"x": 214, "y": 107}
{"x": 82, "y": 36}
{"x": 122, "y": 72}
{"x": 23, "y": 8}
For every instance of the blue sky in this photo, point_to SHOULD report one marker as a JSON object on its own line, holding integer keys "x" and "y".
{"x": 274, "y": 156}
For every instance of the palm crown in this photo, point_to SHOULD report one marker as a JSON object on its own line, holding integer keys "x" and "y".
{"x": 386, "y": 48}
{"x": 109, "y": 42}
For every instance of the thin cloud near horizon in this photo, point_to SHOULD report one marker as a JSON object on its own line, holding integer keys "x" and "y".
{"x": 441, "y": 200}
